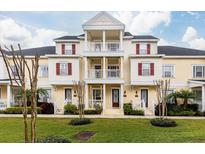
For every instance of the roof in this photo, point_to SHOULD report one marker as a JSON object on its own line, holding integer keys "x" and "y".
{"x": 68, "y": 37}
{"x": 144, "y": 37}
{"x": 179, "y": 51}
{"x": 41, "y": 51}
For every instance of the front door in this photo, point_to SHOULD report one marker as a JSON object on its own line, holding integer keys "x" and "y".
{"x": 115, "y": 97}
{"x": 144, "y": 97}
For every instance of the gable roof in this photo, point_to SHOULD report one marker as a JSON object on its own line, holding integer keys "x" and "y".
{"x": 103, "y": 18}
{"x": 41, "y": 51}
{"x": 179, "y": 51}
{"x": 68, "y": 37}
{"x": 144, "y": 37}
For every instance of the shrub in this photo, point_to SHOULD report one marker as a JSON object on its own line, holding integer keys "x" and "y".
{"x": 127, "y": 108}
{"x": 83, "y": 121}
{"x": 19, "y": 110}
{"x": 199, "y": 113}
{"x": 92, "y": 111}
{"x": 137, "y": 112}
{"x": 181, "y": 113}
{"x": 47, "y": 108}
{"x": 2, "y": 111}
{"x": 54, "y": 139}
{"x": 70, "y": 109}
{"x": 98, "y": 108}
{"x": 163, "y": 122}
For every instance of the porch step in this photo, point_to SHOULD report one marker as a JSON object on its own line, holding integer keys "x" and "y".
{"x": 149, "y": 112}
{"x": 113, "y": 112}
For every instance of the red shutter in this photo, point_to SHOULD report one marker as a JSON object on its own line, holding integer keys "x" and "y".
{"x": 57, "y": 68}
{"x": 69, "y": 68}
{"x": 73, "y": 49}
{"x": 148, "y": 49}
{"x": 139, "y": 69}
{"x": 151, "y": 68}
{"x": 63, "y": 49}
{"x": 137, "y": 49}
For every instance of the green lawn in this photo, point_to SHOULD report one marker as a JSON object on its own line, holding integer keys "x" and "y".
{"x": 108, "y": 130}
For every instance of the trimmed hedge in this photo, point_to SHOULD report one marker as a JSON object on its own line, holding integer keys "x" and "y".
{"x": 92, "y": 111}
{"x": 54, "y": 139}
{"x": 83, "y": 121}
{"x": 137, "y": 112}
{"x": 47, "y": 108}
{"x": 70, "y": 109}
{"x": 19, "y": 110}
{"x": 129, "y": 111}
{"x": 163, "y": 122}
{"x": 181, "y": 113}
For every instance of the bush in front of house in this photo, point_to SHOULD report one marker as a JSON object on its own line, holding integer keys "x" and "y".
{"x": 137, "y": 112}
{"x": 82, "y": 121}
{"x": 181, "y": 113}
{"x": 54, "y": 139}
{"x": 163, "y": 122}
{"x": 70, "y": 109}
{"x": 19, "y": 110}
{"x": 92, "y": 111}
{"x": 47, "y": 108}
{"x": 128, "y": 110}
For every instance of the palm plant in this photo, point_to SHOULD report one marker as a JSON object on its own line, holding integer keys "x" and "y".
{"x": 174, "y": 96}
{"x": 186, "y": 95}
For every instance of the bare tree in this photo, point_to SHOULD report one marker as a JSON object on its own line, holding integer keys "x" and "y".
{"x": 18, "y": 78}
{"x": 79, "y": 87}
{"x": 162, "y": 87}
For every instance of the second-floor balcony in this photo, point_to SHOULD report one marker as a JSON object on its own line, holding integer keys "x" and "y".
{"x": 106, "y": 47}
{"x": 109, "y": 73}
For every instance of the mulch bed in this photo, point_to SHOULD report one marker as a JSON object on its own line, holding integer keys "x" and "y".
{"x": 84, "y": 135}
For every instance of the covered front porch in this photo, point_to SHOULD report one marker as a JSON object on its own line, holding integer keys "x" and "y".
{"x": 198, "y": 87}
{"x": 108, "y": 96}
{"x": 5, "y": 95}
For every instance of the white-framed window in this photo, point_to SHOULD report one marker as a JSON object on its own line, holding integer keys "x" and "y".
{"x": 143, "y": 49}
{"x": 14, "y": 70}
{"x": 113, "y": 46}
{"x": 168, "y": 70}
{"x": 113, "y": 71}
{"x": 198, "y": 71}
{"x": 45, "y": 97}
{"x": 145, "y": 69}
{"x": 68, "y": 49}
{"x": 97, "y": 94}
{"x": 43, "y": 70}
{"x": 63, "y": 68}
{"x": 68, "y": 95}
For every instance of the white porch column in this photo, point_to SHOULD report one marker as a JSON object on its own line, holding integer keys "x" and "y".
{"x": 104, "y": 39}
{"x": 86, "y": 41}
{"x": 104, "y": 97}
{"x": 8, "y": 95}
{"x": 203, "y": 97}
{"x": 86, "y": 67}
{"x": 121, "y": 96}
{"x": 104, "y": 67}
{"x": 86, "y": 96}
{"x": 121, "y": 67}
{"x": 121, "y": 40}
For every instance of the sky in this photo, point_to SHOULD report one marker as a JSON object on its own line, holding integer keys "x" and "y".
{"x": 35, "y": 29}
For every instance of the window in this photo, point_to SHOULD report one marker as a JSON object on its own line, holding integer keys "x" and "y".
{"x": 68, "y": 49}
{"x": 113, "y": 71}
{"x": 45, "y": 97}
{"x": 68, "y": 95}
{"x": 14, "y": 70}
{"x": 168, "y": 70}
{"x": 63, "y": 68}
{"x": 97, "y": 95}
{"x": 198, "y": 71}
{"x": 143, "y": 49}
{"x": 44, "y": 71}
{"x": 146, "y": 69}
{"x": 113, "y": 46}
{"x": 97, "y": 47}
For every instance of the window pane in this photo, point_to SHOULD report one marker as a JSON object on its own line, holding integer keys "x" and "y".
{"x": 68, "y": 95}
{"x": 68, "y": 49}
{"x": 146, "y": 69}
{"x": 198, "y": 71}
{"x": 63, "y": 69}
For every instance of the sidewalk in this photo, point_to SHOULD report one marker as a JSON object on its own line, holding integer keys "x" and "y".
{"x": 96, "y": 116}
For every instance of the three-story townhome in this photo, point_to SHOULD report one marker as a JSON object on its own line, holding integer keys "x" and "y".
{"x": 117, "y": 68}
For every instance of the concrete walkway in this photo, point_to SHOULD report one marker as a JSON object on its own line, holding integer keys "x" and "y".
{"x": 97, "y": 116}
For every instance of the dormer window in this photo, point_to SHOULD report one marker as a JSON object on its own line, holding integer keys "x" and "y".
{"x": 68, "y": 49}
{"x": 142, "y": 49}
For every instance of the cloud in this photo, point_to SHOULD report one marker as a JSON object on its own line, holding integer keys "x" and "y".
{"x": 12, "y": 32}
{"x": 192, "y": 39}
{"x": 196, "y": 14}
{"x": 143, "y": 22}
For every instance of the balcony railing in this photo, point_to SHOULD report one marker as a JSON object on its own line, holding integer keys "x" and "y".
{"x": 95, "y": 73}
{"x": 113, "y": 73}
{"x": 109, "y": 46}
{"x": 94, "y": 103}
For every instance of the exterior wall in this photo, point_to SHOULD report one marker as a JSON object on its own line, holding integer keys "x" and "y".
{"x": 3, "y": 92}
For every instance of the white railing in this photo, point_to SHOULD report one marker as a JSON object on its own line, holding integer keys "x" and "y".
{"x": 95, "y": 73}
{"x": 109, "y": 46}
{"x": 113, "y": 73}
{"x": 92, "y": 103}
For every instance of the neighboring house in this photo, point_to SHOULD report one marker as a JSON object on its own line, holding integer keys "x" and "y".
{"x": 117, "y": 67}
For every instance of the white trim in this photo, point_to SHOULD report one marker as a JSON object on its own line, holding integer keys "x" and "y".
{"x": 147, "y": 96}
{"x": 173, "y": 72}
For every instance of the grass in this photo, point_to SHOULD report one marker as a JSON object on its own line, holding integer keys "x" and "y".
{"x": 107, "y": 130}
